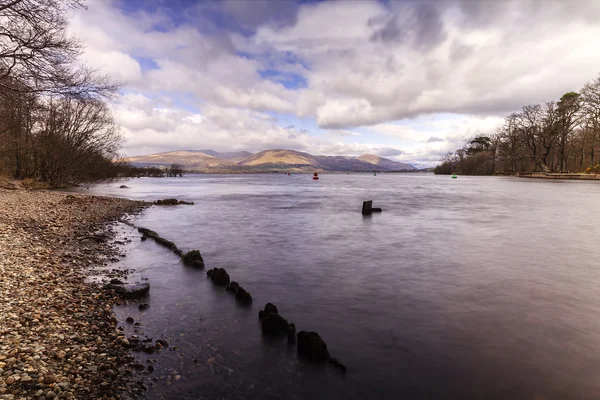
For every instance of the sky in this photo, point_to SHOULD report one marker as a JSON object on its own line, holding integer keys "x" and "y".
{"x": 407, "y": 80}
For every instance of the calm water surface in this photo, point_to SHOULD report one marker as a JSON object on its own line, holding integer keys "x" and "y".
{"x": 475, "y": 288}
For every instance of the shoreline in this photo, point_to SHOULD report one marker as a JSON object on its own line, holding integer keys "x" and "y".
{"x": 58, "y": 334}
{"x": 551, "y": 175}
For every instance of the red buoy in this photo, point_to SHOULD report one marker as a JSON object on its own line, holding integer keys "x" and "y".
{"x": 315, "y": 176}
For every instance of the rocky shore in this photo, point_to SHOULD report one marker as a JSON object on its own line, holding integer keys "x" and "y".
{"x": 58, "y": 334}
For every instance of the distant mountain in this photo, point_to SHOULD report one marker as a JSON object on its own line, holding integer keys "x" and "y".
{"x": 235, "y": 156}
{"x": 385, "y": 163}
{"x": 191, "y": 161}
{"x": 268, "y": 160}
{"x": 299, "y": 161}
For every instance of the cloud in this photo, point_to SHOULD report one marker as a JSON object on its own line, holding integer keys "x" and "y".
{"x": 372, "y": 63}
{"x": 221, "y": 74}
{"x": 434, "y": 139}
{"x": 389, "y": 152}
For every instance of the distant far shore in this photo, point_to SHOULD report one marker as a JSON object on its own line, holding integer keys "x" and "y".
{"x": 551, "y": 175}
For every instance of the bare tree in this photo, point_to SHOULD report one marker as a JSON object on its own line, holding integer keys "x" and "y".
{"x": 37, "y": 55}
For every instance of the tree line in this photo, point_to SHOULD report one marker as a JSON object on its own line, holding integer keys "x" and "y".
{"x": 557, "y": 136}
{"x": 56, "y": 125}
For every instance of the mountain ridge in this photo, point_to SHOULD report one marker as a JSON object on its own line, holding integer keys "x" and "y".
{"x": 270, "y": 160}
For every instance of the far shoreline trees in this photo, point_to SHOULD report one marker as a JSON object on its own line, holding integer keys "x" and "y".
{"x": 561, "y": 136}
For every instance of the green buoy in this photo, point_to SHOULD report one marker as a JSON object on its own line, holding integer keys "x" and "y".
{"x": 454, "y": 176}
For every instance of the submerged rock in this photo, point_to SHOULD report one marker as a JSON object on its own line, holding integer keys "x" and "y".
{"x": 233, "y": 287}
{"x": 123, "y": 187}
{"x": 171, "y": 202}
{"x": 292, "y": 333}
{"x": 219, "y": 276}
{"x": 337, "y": 364}
{"x": 243, "y": 297}
{"x": 271, "y": 322}
{"x": 131, "y": 290}
{"x": 312, "y": 346}
{"x": 193, "y": 258}
{"x": 375, "y": 209}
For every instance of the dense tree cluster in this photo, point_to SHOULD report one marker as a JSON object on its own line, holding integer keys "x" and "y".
{"x": 55, "y": 123}
{"x": 558, "y": 136}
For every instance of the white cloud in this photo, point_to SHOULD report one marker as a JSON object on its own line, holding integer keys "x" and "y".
{"x": 393, "y": 70}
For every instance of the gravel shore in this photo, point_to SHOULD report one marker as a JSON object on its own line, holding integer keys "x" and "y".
{"x": 58, "y": 334}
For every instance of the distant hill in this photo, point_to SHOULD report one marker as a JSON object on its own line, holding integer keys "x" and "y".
{"x": 296, "y": 160}
{"x": 191, "y": 161}
{"x": 235, "y": 156}
{"x": 385, "y": 163}
{"x": 268, "y": 160}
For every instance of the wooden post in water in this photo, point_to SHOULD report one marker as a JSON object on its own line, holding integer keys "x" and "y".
{"x": 367, "y": 207}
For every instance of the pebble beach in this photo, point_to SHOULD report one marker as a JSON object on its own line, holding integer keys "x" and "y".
{"x": 58, "y": 334}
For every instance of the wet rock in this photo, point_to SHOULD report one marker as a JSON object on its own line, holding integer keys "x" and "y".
{"x": 130, "y": 291}
{"x": 143, "y": 307}
{"x": 123, "y": 187}
{"x": 148, "y": 233}
{"x": 375, "y": 209}
{"x": 129, "y": 320}
{"x": 312, "y": 346}
{"x": 337, "y": 364}
{"x": 150, "y": 368}
{"x": 243, "y": 297}
{"x": 220, "y": 276}
{"x": 193, "y": 258}
{"x": 116, "y": 282}
{"x": 143, "y": 238}
{"x": 292, "y": 333}
{"x": 269, "y": 309}
{"x": 171, "y": 202}
{"x": 178, "y": 252}
{"x": 271, "y": 322}
{"x": 233, "y": 287}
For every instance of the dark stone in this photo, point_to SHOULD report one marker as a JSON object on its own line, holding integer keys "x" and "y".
{"x": 129, "y": 320}
{"x": 171, "y": 202}
{"x": 146, "y": 348}
{"x": 178, "y": 252}
{"x": 233, "y": 287}
{"x": 191, "y": 257}
{"x": 336, "y": 363}
{"x": 150, "y": 368}
{"x": 147, "y": 232}
{"x": 367, "y": 207}
{"x": 270, "y": 308}
{"x": 376, "y": 209}
{"x": 210, "y": 272}
{"x": 144, "y": 238}
{"x": 274, "y": 324}
{"x": 220, "y": 277}
{"x": 292, "y": 333}
{"x": 123, "y": 187}
{"x": 198, "y": 264}
{"x": 162, "y": 342}
{"x": 312, "y": 346}
{"x": 166, "y": 202}
{"x": 143, "y": 307}
{"x": 130, "y": 291}
{"x": 116, "y": 282}
{"x": 243, "y": 297}
{"x": 164, "y": 242}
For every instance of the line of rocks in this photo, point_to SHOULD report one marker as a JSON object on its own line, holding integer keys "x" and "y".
{"x": 310, "y": 344}
{"x": 58, "y": 336}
